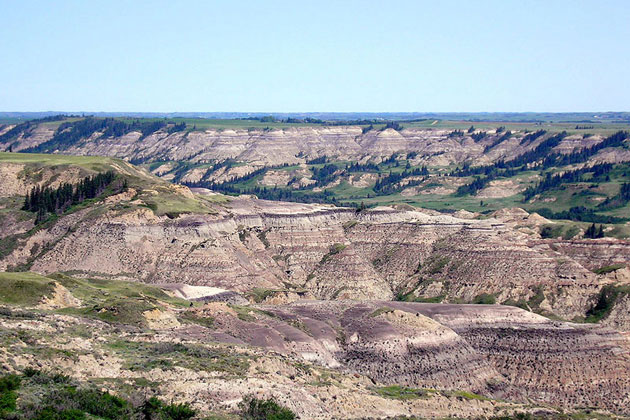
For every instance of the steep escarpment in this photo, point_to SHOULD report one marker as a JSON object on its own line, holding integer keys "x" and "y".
{"x": 332, "y": 253}
{"x": 151, "y": 142}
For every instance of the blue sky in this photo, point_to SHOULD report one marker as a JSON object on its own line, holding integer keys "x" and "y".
{"x": 295, "y": 56}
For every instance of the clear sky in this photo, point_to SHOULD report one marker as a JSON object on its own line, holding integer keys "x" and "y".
{"x": 265, "y": 56}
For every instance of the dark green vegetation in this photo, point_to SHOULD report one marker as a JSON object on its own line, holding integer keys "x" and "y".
{"x": 41, "y": 395}
{"x": 57, "y": 200}
{"x": 608, "y": 295}
{"x": 255, "y": 409}
{"x": 72, "y": 130}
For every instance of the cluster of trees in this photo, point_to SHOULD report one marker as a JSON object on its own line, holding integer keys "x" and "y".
{"x": 393, "y": 125}
{"x": 44, "y": 200}
{"x": 498, "y": 141}
{"x": 579, "y": 214}
{"x": 26, "y": 126}
{"x": 455, "y": 133}
{"x": 177, "y": 127}
{"x": 556, "y": 159}
{"x": 325, "y": 174}
{"x": 593, "y": 232}
{"x": 362, "y": 167}
{"x": 600, "y": 173}
{"x": 532, "y": 136}
{"x": 479, "y": 183}
{"x": 389, "y": 183}
{"x": 276, "y": 193}
{"x": 477, "y": 137}
{"x": 318, "y": 160}
{"x": 70, "y": 132}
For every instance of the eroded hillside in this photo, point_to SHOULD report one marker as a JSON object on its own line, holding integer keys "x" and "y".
{"x": 323, "y": 308}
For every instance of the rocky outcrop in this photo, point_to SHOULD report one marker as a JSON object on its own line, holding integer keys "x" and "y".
{"x": 334, "y": 253}
{"x": 558, "y": 363}
{"x": 294, "y": 145}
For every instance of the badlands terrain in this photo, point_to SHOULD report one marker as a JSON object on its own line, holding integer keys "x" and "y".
{"x": 358, "y": 302}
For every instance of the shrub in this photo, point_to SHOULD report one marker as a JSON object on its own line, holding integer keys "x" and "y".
{"x": 8, "y": 395}
{"x": 43, "y": 377}
{"x": 400, "y": 392}
{"x": 154, "y": 409}
{"x": 609, "y": 268}
{"x": 485, "y": 299}
{"x": 255, "y": 409}
{"x": 608, "y": 295}
{"x": 101, "y": 404}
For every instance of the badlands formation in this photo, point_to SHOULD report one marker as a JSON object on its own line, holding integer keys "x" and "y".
{"x": 332, "y": 311}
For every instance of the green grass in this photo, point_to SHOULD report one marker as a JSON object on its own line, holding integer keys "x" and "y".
{"x": 397, "y": 392}
{"x": 609, "y": 268}
{"x": 484, "y": 299}
{"x": 225, "y": 124}
{"x": 381, "y": 311}
{"x": 26, "y": 289}
{"x": 112, "y": 301}
{"x": 606, "y": 300}
{"x": 144, "y": 356}
{"x": 165, "y": 200}
{"x": 93, "y": 163}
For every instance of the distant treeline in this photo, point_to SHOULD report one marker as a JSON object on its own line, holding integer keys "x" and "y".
{"x": 57, "y": 200}
{"x": 579, "y": 214}
{"x": 542, "y": 156}
{"x": 70, "y": 133}
{"x": 26, "y": 126}
{"x": 600, "y": 173}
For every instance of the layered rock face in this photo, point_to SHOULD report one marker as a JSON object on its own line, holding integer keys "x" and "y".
{"x": 558, "y": 363}
{"x": 293, "y": 145}
{"x": 332, "y": 253}
{"x": 498, "y": 351}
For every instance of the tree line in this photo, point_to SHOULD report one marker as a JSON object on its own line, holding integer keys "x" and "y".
{"x": 70, "y": 132}
{"x": 600, "y": 173}
{"x": 45, "y": 200}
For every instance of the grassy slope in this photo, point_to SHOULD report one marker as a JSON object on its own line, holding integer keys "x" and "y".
{"x": 158, "y": 194}
{"x": 108, "y": 300}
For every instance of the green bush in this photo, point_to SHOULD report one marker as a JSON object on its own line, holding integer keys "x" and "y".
{"x": 551, "y": 231}
{"x": 9, "y": 385}
{"x": 485, "y": 299}
{"x": 97, "y": 403}
{"x": 43, "y": 377}
{"x": 609, "y": 268}
{"x": 608, "y": 295}
{"x": 255, "y": 409}
{"x": 154, "y": 409}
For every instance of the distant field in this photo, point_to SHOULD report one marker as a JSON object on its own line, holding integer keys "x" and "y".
{"x": 50, "y": 159}
{"x": 201, "y": 124}
{"x": 597, "y": 128}
{"x": 206, "y": 123}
